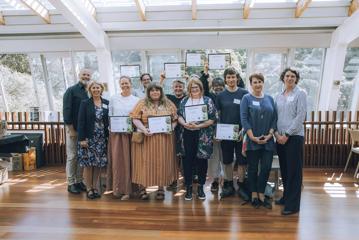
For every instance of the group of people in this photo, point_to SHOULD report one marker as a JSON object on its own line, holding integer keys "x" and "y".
{"x": 135, "y": 161}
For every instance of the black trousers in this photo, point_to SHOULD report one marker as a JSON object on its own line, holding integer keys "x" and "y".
{"x": 258, "y": 182}
{"x": 291, "y": 168}
{"x": 228, "y": 150}
{"x": 191, "y": 161}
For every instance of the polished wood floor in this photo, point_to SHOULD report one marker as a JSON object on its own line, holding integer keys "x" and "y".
{"x": 35, "y": 205}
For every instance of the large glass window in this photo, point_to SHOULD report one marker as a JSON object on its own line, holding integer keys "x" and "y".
{"x": 17, "y": 83}
{"x": 270, "y": 65}
{"x": 350, "y": 75}
{"x": 130, "y": 57}
{"x": 309, "y": 62}
{"x": 87, "y": 60}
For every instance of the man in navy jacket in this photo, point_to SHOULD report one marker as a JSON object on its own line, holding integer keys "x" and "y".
{"x": 71, "y": 105}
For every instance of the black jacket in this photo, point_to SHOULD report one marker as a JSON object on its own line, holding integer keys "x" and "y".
{"x": 71, "y": 105}
{"x": 87, "y": 117}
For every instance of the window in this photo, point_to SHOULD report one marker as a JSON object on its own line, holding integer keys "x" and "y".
{"x": 350, "y": 75}
{"x": 87, "y": 60}
{"x": 309, "y": 62}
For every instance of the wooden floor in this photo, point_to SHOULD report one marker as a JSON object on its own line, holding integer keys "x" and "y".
{"x": 35, "y": 205}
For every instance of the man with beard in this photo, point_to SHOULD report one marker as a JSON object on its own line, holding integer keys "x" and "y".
{"x": 71, "y": 105}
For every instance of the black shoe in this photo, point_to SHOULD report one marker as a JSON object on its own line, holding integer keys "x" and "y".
{"x": 256, "y": 203}
{"x": 73, "y": 189}
{"x": 228, "y": 189}
{"x": 279, "y": 201}
{"x": 81, "y": 187}
{"x": 286, "y": 212}
{"x": 267, "y": 203}
{"x": 91, "y": 194}
{"x": 96, "y": 193}
{"x": 188, "y": 195}
{"x": 243, "y": 193}
{"x": 172, "y": 186}
{"x": 200, "y": 193}
{"x": 214, "y": 186}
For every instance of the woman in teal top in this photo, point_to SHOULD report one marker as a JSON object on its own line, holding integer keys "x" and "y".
{"x": 258, "y": 118}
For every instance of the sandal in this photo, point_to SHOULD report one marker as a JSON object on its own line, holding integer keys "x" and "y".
{"x": 90, "y": 194}
{"x": 160, "y": 194}
{"x": 143, "y": 194}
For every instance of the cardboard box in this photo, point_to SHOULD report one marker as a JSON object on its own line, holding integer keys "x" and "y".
{"x": 17, "y": 162}
{"x": 29, "y": 159}
{"x": 6, "y": 162}
{"x": 4, "y": 175}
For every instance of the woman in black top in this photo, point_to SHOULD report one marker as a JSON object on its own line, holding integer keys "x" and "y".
{"x": 93, "y": 137}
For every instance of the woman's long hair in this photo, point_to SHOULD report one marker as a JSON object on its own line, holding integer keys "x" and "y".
{"x": 163, "y": 99}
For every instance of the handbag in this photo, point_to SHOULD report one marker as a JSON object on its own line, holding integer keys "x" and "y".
{"x": 137, "y": 137}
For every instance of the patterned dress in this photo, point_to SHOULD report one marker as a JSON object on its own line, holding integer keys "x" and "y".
{"x": 96, "y": 153}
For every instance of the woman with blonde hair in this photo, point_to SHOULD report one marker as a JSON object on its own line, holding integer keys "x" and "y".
{"x": 119, "y": 149}
{"x": 93, "y": 137}
{"x": 153, "y": 160}
{"x": 197, "y": 137}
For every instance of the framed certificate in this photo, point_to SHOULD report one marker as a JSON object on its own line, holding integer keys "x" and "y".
{"x": 121, "y": 124}
{"x": 227, "y": 132}
{"x": 175, "y": 70}
{"x": 219, "y": 61}
{"x": 130, "y": 70}
{"x": 196, "y": 113}
{"x": 194, "y": 60}
{"x": 160, "y": 124}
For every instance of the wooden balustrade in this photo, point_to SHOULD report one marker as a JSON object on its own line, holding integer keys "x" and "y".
{"x": 53, "y": 132}
{"x": 327, "y": 141}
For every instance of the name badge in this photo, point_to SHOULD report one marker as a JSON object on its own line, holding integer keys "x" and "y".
{"x": 236, "y": 101}
{"x": 255, "y": 103}
{"x": 104, "y": 106}
{"x": 290, "y": 98}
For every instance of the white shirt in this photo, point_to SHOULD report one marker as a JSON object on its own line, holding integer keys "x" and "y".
{"x": 122, "y": 106}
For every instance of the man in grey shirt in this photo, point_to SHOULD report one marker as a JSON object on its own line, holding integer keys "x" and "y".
{"x": 145, "y": 79}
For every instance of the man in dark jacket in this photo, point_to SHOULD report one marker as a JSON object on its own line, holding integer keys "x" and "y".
{"x": 71, "y": 105}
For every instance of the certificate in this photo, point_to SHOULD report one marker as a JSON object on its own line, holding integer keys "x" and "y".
{"x": 175, "y": 70}
{"x": 196, "y": 113}
{"x": 227, "y": 132}
{"x": 130, "y": 70}
{"x": 160, "y": 124}
{"x": 219, "y": 61}
{"x": 194, "y": 60}
{"x": 121, "y": 124}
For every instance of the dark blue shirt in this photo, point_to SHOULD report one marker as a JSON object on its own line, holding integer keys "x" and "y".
{"x": 228, "y": 105}
{"x": 259, "y": 115}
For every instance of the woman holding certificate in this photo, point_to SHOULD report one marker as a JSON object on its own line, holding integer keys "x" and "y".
{"x": 228, "y": 104}
{"x": 197, "y": 116}
{"x": 153, "y": 160}
{"x": 258, "y": 118}
{"x": 291, "y": 107}
{"x": 92, "y": 137}
{"x": 119, "y": 160}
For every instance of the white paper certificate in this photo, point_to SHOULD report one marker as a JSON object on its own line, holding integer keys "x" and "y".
{"x": 175, "y": 70}
{"x": 196, "y": 113}
{"x": 227, "y": 132}
{"x": 193, "y": 60}
{"x": 130, "y": 70}
{"x": 121, "y": 124}
{"x": 218, "y": 61}
{"x": 161, "y": 124}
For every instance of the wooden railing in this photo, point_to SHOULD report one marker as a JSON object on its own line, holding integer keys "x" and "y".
{"x": 54, "y": 134}
{"x": 327, "y": 142}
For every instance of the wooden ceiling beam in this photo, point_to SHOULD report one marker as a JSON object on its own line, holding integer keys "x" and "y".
{"x": 194, "y": 9}
{"x": 248, "y": 4}
{"x": 302, "y": 5}
{"x": 141, "y": 9}
{"x": 354, "y": 5}
{"x": 37, "y": 7}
